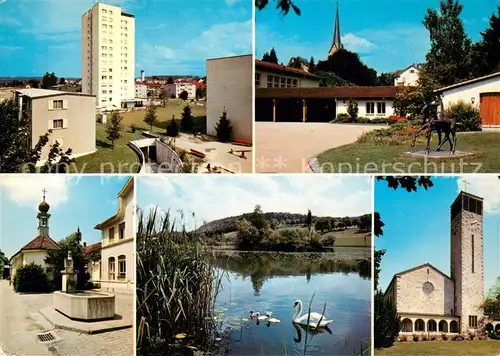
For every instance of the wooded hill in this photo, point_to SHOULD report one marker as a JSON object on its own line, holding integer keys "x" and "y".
{"x": 229, "y": 224}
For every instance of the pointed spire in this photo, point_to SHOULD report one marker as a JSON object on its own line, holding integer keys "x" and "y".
{"x": 44, "y": 191}
{"x": 337, "y": 42}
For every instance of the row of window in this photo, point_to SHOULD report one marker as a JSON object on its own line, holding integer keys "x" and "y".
{"x": 107, "y": 92}
{"x": 104, "y": 18}
{"x": 105, "y": 11}
{"x": 104, "y": 77}
{"x": 370, "y": 108}
{"x": 122, "y": 268}
{"x": 274, "y": 81}
{"x": 121, "y": 230}
{"x": 106, "y": 26}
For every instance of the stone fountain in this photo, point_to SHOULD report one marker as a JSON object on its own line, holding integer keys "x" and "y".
{"x": 81, "y": 305}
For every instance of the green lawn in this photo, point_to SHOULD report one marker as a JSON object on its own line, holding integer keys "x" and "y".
{"x": 372, "y": 158}
{"x": 120, "y": 159}
{"x": 349, "y": 237}
{"x": 164, "y": 114}
{"x": 475, "y": 347}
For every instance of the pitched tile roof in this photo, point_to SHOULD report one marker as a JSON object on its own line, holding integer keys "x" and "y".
{"x": 89, "y": 249}
{"x": 346, "y": 92}
{"x": 279, "y": 67}
{"x": 41, "y": 243}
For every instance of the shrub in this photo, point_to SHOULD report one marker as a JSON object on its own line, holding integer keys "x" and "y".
{"x": 223, "y": 128}
{"x": 172, "y": 128}
{"x": 458, "y": 337}
{"x": 444, "y": 337}
{"x": 471, "y": 335}
{"x": 415, "y": 338}
{"x": 424, "y": 337}
{"x": 352, "y": 109}
{"x": 328, "y": 241}
{"x": 184, "y": 95}
{"x": 433, "y": 338}
{"x": 31, "y": 279}
{"x": 187, "y": 122}
{"x": 403, "y": 338}
{"x": 467, "y": 115}
{"x": 133, "y": 128}
{"x": 341, "y": 118}
{"x": 387, "y": 321}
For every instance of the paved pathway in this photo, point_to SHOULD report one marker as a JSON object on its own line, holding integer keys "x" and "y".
{"x": 20, "y": 322}
{"x": 286, "y": 147}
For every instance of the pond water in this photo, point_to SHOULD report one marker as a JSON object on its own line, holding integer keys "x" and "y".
{"x": 273, "y": 282}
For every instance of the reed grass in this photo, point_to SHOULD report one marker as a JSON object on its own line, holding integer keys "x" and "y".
{"x": 176, "y": 288}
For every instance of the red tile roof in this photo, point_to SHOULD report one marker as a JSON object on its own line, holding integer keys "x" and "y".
{"x": 41, "y": 243}
{"x": 388, "y": 92}
{"x": 279, "y": 67}
{"x": 89, "y": 249}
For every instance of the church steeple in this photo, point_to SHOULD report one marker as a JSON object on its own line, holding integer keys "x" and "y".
{"x": 43, "y": 217}
{"x": 337, "y": 43}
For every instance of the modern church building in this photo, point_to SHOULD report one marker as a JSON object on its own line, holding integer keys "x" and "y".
{"x": 428, "y": 300}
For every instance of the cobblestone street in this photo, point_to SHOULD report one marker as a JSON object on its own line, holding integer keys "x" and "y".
{"x": 20, "y": 323}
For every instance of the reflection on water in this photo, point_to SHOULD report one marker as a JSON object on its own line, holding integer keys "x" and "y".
{"x": 273, "y": 282}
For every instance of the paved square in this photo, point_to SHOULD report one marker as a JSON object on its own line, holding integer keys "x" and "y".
{"x": 21, "y": 321}
{"x": 286, "y": 147}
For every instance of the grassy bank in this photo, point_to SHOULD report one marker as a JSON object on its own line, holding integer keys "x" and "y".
{"x": 176, "y": 290}
{"x": 164, "y": 115}
{"x": 369, "y": 157}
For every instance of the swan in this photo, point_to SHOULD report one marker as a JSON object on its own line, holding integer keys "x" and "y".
{"x": 270, "y": 319}
{"x": 314, "y": 318}
{"x": 256, "y": 315}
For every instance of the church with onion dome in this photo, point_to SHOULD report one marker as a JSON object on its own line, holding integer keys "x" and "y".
{"x": 36, "y": 251}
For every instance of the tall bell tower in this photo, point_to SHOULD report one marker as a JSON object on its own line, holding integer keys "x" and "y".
{"x": 467, "y": 259}
{"x": 43, "y": 217}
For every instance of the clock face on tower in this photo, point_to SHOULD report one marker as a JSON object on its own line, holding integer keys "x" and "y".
{"x": 427, "y": 287}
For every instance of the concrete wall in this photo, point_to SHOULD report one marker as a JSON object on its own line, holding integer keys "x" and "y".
{"x": 167, "y": 157}
{"x": 412, "y": 299}
{"x": 469, "y": 285}
{"x": 470, "y": 92}
{"x": 229, "y": 87}
{"x": 389, "y": 110}
{"x": 79, "y": 124}
{"x": 301, "y": 81}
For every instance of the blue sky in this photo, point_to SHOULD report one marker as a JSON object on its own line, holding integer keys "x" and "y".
{"x": 74, "y": 201}
{"x": 172, "y": 36}
{"x": 213, "y": 197}
{"x": 388, "y": 35}
{"x": 417, "y": 225}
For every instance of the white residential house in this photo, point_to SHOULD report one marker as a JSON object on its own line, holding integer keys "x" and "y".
{"x": 36, "y": 251}
{"x": 483, "y": 93}
{"x": 108, "y": 56}
{"x": 229, "y": 88}
{"x": 70, "y": 116}
{"x": 175, "y": 89}
{"x": 141, "y": 90}
{"x": 407, "y": 77}
{"x": 117, "y": 244}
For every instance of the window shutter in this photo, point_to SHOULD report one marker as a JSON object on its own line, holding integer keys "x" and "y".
{"x": 65, "y": 123}
{"x": 65, "y": 104}
{"x": 50, "y": 124}
{"x": 51, "y": 105}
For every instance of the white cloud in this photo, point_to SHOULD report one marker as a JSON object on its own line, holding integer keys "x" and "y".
{"x": 232, "y": 2}
{"x": 219, "y": 40}
{"x": 357, "y": 44}
{"x": 487, "y": 187}
{"x": 26, "y": 190}
{"x": 215, "y": 197}
{"x": 2, "y": 1}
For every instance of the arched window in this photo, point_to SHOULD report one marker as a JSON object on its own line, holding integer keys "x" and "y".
{"x": 453, "y": 327}
{"x": 111, "y": 269}
{"x": 407, "y": 326}
{"x": 122, "y": 267}
{"x": 431, "y": 325}
{"x": 419, "y": 325}
{"x": 443, "y": 326}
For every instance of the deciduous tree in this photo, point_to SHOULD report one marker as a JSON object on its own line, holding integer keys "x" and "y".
{"x": 151, "y": 118}
{"x": 114, "y": 127}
